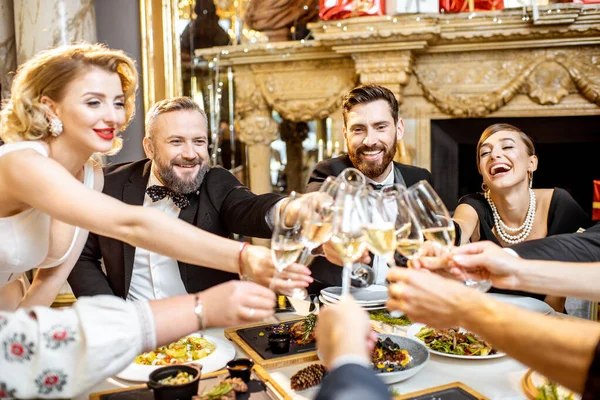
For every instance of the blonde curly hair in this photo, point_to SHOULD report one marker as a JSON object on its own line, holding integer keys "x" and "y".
{"x": 48, "y": 73}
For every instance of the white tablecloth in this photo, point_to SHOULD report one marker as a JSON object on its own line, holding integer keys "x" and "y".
{"x": 497, "y": 379}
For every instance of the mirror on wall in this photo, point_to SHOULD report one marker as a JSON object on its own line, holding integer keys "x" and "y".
{"x": 173, "y": 30}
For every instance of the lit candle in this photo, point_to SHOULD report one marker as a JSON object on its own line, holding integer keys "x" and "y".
{"x": 320, "y": 151}
{"x": 328, "y": 135}
{"x": 336, "y": 147}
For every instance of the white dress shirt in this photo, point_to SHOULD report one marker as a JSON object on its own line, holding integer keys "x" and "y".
{"x": 380, "y": 267}
{"x": 155, "y": 276}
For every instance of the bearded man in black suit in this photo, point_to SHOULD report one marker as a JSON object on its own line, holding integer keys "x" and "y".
{"x": 371, "y": 129}
{"x": 177, "y": 180}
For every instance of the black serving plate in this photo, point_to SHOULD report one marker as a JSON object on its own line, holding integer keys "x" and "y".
{"x": 454, "y": 393}
{"x": 260, "y": 344}
{"x": 257, "y": 390}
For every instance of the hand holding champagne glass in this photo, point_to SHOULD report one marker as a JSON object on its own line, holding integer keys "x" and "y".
{"x": 435, "y": 221}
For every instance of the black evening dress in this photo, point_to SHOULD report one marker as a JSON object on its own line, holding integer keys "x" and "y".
{"x": 564, "y": 216}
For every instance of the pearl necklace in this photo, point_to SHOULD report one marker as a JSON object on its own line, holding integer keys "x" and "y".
{"x": 503, "y": 230}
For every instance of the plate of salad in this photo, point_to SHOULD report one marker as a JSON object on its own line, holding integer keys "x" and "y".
{"x": 454, "y": 342}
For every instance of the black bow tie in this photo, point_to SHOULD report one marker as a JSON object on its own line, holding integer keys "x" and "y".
{"x": 376, "y": 186}
{"x": 157, "y": 193}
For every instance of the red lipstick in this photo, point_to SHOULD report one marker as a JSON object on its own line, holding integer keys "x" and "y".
{"x": 106, "y": 133}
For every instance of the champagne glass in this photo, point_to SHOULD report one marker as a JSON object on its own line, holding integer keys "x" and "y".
{"x": 409, "y": 237}
{"x": 348, "y": 237}
{"x": 286, "y": 245}
{"x": 378, "y": 217}
{"x": 315, "y": 219}
{"x": 436, "y": 224}
{"x": 353, "y": 177}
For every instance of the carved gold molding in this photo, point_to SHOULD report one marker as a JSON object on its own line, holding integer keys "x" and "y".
{"x": 253, "y": 116}
{"x": 161, "y": 65}
{"x": 305, "y": 90}
{"x": 546, "y": 78}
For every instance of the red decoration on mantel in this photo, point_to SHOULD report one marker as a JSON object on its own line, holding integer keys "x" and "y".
{"x": 340, "y": 9}
{"x": 456, "y": 6}
{"x": 596, "y": 202}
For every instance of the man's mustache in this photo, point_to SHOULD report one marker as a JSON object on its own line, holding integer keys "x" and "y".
{"x": 364, "y": 148}
{"x": 186, "y": 163}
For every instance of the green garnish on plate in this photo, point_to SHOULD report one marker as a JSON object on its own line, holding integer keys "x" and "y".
{"x": 549, "y": 391}
{"x": 384, "y": 316}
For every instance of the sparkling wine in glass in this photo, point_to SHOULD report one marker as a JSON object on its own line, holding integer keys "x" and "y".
{"x": 286, "y": 246}
{"x": 348, "y": 235}
{"x": 436, "y": 224}
{"x": 409, "y": 237}
{"x": 378, "y": 215}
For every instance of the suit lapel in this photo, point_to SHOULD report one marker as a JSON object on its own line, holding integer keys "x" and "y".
{"x": 398, "y": 177}
{"x": 133, "y": 193}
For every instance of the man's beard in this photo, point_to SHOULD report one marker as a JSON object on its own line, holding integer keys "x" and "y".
{"x": 171, "y": 180}
{"x": 370, "y": 169}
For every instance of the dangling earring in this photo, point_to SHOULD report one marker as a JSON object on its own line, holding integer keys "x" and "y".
{"x": 56, "y": 127}
{"x": 530, "y": 176}
{"x": 484, "y": 187}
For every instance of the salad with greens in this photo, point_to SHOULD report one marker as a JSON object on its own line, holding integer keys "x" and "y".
{"x": 455, "y": 341}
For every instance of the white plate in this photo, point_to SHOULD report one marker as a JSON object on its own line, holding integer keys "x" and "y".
{"x": 371, "y": 294}
{"x": 367, "y": 308}
{"x": 362, "y": 303}
{"x": 223, "y": 353}
{"x": 334, "y": 300}
{"x": 527, "y": 303}
{"x": 415, "y": 328}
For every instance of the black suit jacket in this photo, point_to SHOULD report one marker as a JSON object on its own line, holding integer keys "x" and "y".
{"x": 325, "y": 273}
{"x": 352, "y": 382}
{"x": 569, "y": 247}
{"x": 223, "y": 206}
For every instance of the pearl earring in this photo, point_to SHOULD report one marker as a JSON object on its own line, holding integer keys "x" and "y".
{"x": 56, "y": 127}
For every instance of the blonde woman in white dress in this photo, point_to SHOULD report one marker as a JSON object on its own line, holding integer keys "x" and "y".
{"x": 67, "y": 105}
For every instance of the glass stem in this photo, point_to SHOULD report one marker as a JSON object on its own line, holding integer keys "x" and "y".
{"x": 304, "y": 256}
{"x": 346, "y": 278}
{"x": 272, "y": 284}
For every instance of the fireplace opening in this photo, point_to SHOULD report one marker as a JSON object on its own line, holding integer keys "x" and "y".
{"x": 568, "y": 149}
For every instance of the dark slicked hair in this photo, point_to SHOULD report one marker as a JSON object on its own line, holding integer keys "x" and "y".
{"x": 369, "y": 93}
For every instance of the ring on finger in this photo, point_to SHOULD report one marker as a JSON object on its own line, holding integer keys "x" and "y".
{"x": 251, "y": 313}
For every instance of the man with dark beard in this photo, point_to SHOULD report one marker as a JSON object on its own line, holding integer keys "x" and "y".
{"x": 175, "y": 179}
{"x": 371, "y": 129}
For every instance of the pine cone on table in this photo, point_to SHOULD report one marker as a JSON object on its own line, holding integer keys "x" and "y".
{"x": 308, "y": 377}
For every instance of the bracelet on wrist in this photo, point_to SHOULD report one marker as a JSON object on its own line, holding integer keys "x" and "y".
{"x": 199, "y": 311}
{"x": 243, "y": 276}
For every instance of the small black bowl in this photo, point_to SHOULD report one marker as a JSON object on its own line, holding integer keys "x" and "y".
{"x": 240, "y": 368}
{"x": 279, "y": 343}
{"x": 174, "y": 392}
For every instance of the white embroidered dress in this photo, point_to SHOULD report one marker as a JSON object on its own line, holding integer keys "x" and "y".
{"x": 49, "y": 353}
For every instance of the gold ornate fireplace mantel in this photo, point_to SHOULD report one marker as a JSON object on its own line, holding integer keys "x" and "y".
{"x": 500, "y": 64}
